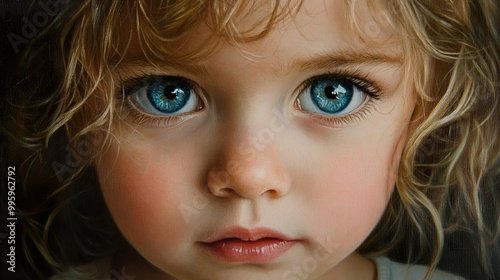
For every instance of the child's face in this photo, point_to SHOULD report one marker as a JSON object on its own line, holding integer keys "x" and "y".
{"x": 258, "y": 153}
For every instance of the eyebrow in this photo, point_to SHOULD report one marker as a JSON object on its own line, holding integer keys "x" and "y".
{"x": 343, "y": 58}
{"x": 132, "y": 63}
{"x": 326, "y": 60}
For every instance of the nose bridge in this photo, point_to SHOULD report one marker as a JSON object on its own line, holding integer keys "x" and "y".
{"x": 249, "y": 162}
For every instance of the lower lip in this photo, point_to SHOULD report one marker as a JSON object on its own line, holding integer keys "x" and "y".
{"x": 259, "y": 251}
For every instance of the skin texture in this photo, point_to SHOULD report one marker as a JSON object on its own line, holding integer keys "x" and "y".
{"x": 251, "y": 157}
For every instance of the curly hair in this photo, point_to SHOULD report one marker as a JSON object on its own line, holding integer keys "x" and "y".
{"x": 448, "y": 166}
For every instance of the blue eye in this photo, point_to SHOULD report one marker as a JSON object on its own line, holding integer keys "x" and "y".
{"x": 330, "y": 95}
{"x": 165, "y": 95}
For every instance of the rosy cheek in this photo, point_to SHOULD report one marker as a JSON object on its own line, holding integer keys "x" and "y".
{"x": 139, "y": 190}
{"x": 351, "y": 191}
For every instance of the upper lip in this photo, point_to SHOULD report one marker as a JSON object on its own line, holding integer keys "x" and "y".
{"x": 246, "y": 234}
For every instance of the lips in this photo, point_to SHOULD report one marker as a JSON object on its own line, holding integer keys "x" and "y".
{"x": 243, "y": 245}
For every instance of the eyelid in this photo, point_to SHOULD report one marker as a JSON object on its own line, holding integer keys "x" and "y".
{"x": 360, "y": 80}
{"x": 131, "y": 85}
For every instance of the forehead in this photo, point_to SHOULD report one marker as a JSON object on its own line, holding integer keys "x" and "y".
{"x": 353, "y": 27}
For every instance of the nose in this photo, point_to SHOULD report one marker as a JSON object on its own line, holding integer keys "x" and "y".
{"x": 249, "y": 170}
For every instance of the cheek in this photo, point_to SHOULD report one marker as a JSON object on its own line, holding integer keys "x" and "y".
{"x": 144, "y": 196}
{"x": 352, "y": 188}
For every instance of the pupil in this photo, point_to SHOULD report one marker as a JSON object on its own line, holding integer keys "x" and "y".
{"x": 331, "y": 92}
{"x": 170, "y": 92}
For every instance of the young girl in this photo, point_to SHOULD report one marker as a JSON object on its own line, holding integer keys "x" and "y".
{"x": 260, "y": 139}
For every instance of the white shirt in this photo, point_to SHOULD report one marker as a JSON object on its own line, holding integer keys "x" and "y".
{"x": 389, "y": 270}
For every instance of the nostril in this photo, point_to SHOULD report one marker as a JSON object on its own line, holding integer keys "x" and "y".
{"x": 223, "y": 192}
{"x": 273, "y": 193}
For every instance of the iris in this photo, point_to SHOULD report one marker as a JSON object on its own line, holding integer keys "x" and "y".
{"x": 331, "y": 95}
{"x": 168, "y": 94}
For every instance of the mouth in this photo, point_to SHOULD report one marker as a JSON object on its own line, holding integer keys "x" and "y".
{"x": 238, "y": 244}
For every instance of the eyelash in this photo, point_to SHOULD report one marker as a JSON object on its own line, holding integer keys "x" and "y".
{"x": 359, "y": 80}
